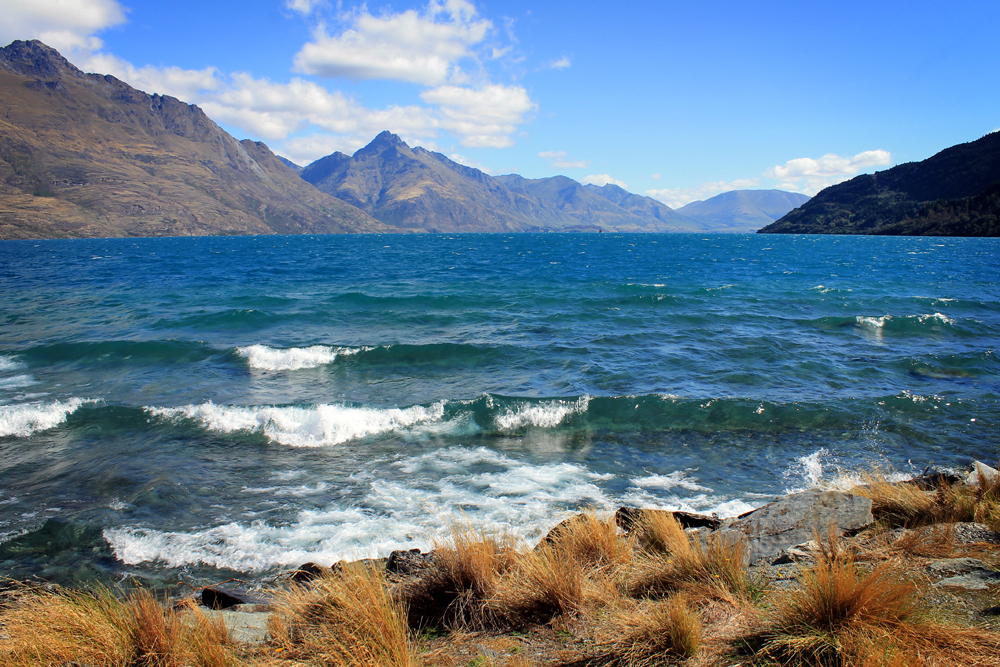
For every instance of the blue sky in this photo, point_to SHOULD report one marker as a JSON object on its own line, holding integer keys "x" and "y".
{"x": 676, "y": 100}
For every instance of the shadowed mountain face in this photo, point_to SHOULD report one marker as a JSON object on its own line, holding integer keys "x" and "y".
{"x": 744, "y": 210}
{"x": 953, "y": 193}
{"x": 416, "y": 189}
{"x": 85, "y": 155}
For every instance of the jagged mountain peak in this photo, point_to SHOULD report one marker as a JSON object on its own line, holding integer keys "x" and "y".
{"x": 36, "y": 59}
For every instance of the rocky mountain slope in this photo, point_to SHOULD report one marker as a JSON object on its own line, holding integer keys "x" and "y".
{"x": 85, "y": 155}
{"x": 419, "y": 190}
{"x": 743, "y": 210}
{"x": 953, "y": 193}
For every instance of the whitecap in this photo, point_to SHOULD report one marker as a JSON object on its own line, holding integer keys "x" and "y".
{"x": 872, "y": 322}
{"x": 17, "y": 382}
{"x": 262, "y": 357}
{"x": 9, "y": 363}
{"x": 24, "y": 419}
{"x": 543, "y": 415}
{"x": 312, "y": 426}
{"x": 667, "y": 482}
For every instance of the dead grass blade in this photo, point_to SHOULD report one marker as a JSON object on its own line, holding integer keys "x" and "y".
{"x": 669, "y": 631}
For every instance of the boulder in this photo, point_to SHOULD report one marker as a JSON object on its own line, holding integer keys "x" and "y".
{"x": 931, "y": 480}
{"x": 984, "y": 473}
{"x": 798, "y": 518}
{"x": 408, "y": 562}
{"x": 308, "y": 572}
{"x": 215, "y": 597}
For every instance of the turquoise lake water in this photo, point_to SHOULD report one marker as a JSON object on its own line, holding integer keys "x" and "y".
{"x": 201, "y": 406}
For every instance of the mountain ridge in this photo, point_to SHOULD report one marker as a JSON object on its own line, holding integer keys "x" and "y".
{"x": 744, "y": 210}
{"x": 85, "y": 155}
{"x": 955, "y": 192}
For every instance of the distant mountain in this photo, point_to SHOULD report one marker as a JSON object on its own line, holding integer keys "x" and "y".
{"x": 953, "y": 193}
{"x": 291, "y": 165}
{"x": 743, "y": 210}
{"x": 419, "y": 190}
{"x": 84, "y": 155}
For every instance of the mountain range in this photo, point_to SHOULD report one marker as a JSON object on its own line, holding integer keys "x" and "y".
{"x": 953, "y": 193}
{"x": 87, "y": 155}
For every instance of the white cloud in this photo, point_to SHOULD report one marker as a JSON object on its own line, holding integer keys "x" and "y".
{"x": 677, "y": 197}
{"x": 65, "y": 25}
{"x": 184, "y": 84}
{"x": 655, "y": 177}
{"x": 304, "y": 7}
{"x": 810, "y": 175}
{"x": 602, "y": 180}
{"x": 481, "y": 117}
{"x": 468, "y": 162}
{"x": 559, "y": 161}
{"x": 422, "y": 48}
{"x": 562, "y": 63}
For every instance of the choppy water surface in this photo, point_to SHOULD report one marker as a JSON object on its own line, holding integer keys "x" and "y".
{"x": 175, "y": 407}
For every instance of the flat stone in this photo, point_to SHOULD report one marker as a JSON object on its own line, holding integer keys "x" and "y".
{"x": 243, "y": 626}
{"x": 979, "y": 580}
{"x": 957, "y": 566}
{"x": 799, "y": 518}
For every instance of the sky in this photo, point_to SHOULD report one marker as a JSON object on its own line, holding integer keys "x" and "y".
{"x": 674, "y": 100}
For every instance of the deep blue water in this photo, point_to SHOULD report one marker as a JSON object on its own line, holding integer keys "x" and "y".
{"x": 169, "y": 406}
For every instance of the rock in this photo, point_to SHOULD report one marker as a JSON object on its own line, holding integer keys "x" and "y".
{"x": 956, "y": 566}
{"x": 981, "y": 471}
{"x": 930, "y": 480}
{"x": 798, "y": 518}
{"x": 408, "y": 562}
{"x": 796, "y": 554}
{"x": 973, "y": 533}
{"x": 628, "y": 517}
{"x": 244, "y": 626}
{"x": 214, "y": 597}
{"x": 308, "y": 572}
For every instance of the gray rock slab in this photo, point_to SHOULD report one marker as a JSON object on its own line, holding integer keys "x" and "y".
{"x": 978, "y": 580}
{"x": 982, "y": 471}
{"x": 956, "y": 566}
{"x": 243, "y": 626}
{"x": 799, "y": 518}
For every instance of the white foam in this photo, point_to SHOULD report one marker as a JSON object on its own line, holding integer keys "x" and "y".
{"x": 24, "y": 419}
{"x": 872, "y": 322}
{"x": 667, "y": 482}
{"x": 807, "y": 471}
{"x": 9, "y": 363}
{"x": 939, "y": 317}
{"x": 17, "y": 382}
{"x": 543, "y": 415}
{"x": 313, "y": 426}
{"x": 267, "y": 358}
{"x": 437, "y": 491}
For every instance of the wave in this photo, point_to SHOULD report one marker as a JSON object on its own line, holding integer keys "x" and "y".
{"x": 307, "y": 426}
{"x": 9, "y": 363}
{"x": 115, "y": 352}
{"x": 17, "y": 382}
{"x": 262, "y": 357}
{"x": 545, "y": 414}
{"x": 895, "y": 324}
{"x": 414, "y": 503}
{"x": 24, "y": 419}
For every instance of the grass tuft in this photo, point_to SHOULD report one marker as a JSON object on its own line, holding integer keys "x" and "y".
{"x": 344, "y": 619}
{"x": 669, "y": 631}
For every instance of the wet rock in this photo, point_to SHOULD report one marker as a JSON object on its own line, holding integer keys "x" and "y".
{"x": 215, "y": 597}
{"x": 628, "y": 517}
{"x": 930, "y": 480}
{"x": 798, "y": 518}
{"x": 408, "y": 562}
{"x": 308, "y": 572}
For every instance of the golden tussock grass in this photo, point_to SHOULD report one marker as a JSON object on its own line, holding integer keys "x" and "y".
{"x": 909, "y": 506}
{"x": 98, "y": 628}
{"x": 345, "y": 619}
{"x": 460, "y": 587}
{"x": 669, "y": 631}
{"x": 845, "y": 614}
{"x": 593, "y": 542}
{"x": 714, "y": 566}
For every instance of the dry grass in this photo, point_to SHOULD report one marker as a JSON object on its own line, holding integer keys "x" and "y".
{"x": 461, "y": 586}
{"x": 345, "y": 619}
{"x": 98, "y": 628}
{"x": 660, "y": 532}
{"x": 547, "y": 584}
{"x": 667, "y": 632}
{"x": 713, "y": 567}
{"x": 593, "y": 542}
{"x": 909, "y": 506}
{"x": 845, "y": 614}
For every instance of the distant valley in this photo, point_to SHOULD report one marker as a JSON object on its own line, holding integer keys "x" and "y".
{"x": 87, "y": 155}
